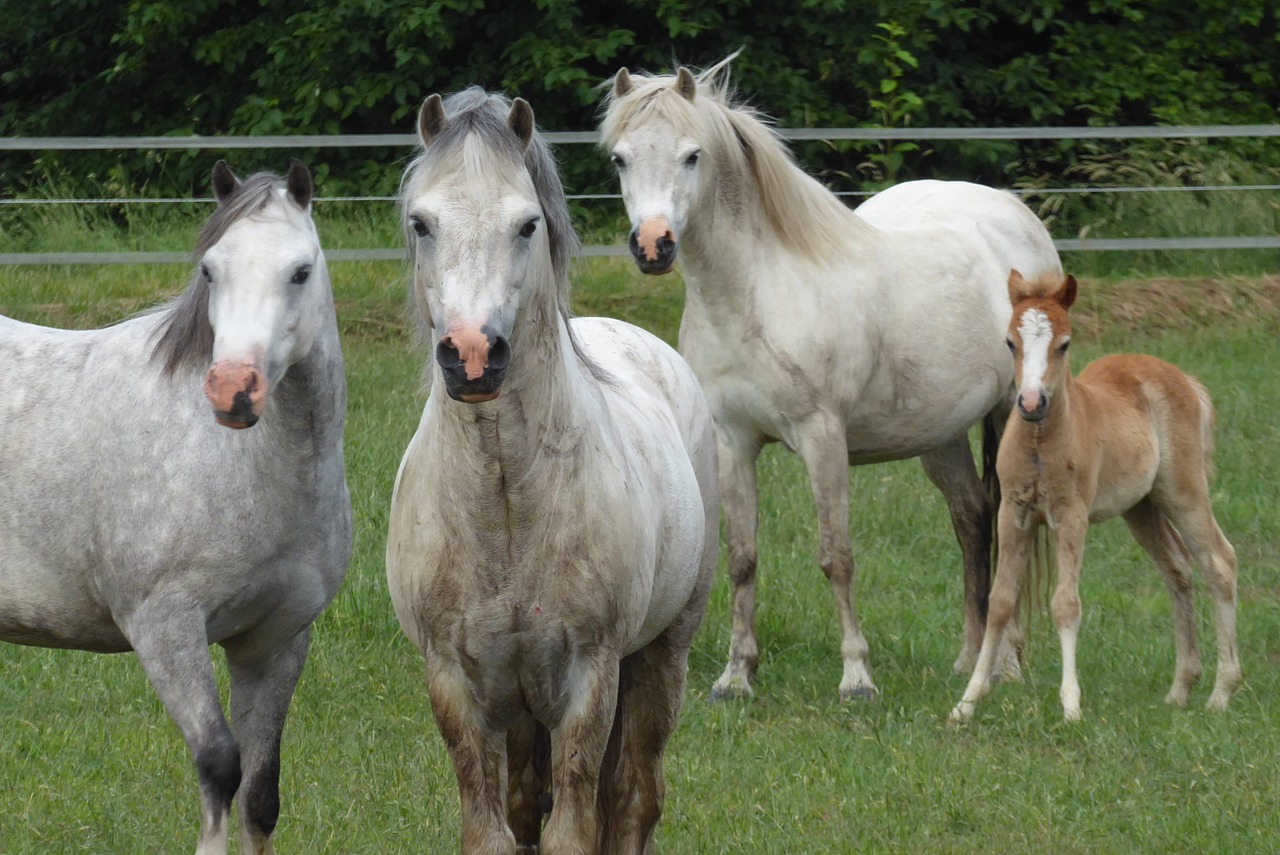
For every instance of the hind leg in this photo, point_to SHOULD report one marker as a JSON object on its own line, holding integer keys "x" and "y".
{"x": 262, "y": 684}
{"x": 174, "y": 651}
{"x": 1217, "y": 561}
{"x": 950, "y": 468}
{"x": 634, "y": 790}
{"x": 1153, "y": 533}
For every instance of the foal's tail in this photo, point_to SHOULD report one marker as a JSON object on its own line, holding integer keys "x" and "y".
{"x": 1208, "y": 420}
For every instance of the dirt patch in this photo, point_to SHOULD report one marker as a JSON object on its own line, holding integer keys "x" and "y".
{"x": 1156, "y": 306}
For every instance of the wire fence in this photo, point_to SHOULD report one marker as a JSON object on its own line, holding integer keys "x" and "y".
{"x": 408, "y": 141}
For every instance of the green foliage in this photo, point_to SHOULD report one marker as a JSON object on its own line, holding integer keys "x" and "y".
{"x": 181, "y": 67}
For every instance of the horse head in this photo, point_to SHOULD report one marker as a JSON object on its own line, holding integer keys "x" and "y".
{"x": 264, "y": 281}
{"x": 652, "y": 133}
{"x": 1039, "y": 335}
{"x": 484, "y": 245}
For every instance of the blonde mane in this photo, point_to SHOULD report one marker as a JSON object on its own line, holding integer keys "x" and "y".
{"x": 805, "y": 215}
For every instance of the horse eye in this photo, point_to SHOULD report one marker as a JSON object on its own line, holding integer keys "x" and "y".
{"x": 419, "y": 227}
{"x": 692, "y": 159}
{"x": 527, "y": 230}
{"x": 1062, "y": 348}
{"x": 1013, "y": 348}
{"x": 204, "y": 271}
{"x": 618, "y": 162}
{"x": 301, "y": 275}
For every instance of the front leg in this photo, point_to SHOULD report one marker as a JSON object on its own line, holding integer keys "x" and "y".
{"x": 1073, "y": 523}
{"x": 479, "y": 755}
{"x": 578, "y": 745}
{"x": 826, "y": 456}
{"x": 738, "y": 497}
{"x": 262, "y": 684}
{"x": 169, "y": 638}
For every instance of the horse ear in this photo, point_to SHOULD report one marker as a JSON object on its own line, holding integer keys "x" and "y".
{"x": 1017, "y": 287}
{"x": 224, "y": 182}
{"x": 1066, "y": 293}
{"x": 686, "y": 85}
{"x": 521, "y": 121}
{"x": 621, "y": 82}
{"x": 431, "y": 118}
{"x": 299, "y": 183}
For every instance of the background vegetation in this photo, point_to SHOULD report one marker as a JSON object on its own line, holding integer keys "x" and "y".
{"x": 90, "y": 763}
{"x": 182, "y": 67}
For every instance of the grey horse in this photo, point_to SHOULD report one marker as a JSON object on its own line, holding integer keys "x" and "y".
{"x": 131, "y": 520}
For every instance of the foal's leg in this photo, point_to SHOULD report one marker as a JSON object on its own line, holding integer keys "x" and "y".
{"x": 1073, "y": 523}
{"x": 1217, "y": 560}
{"x": 262, "y": 684}
{"x": 826, "y": 455}
{"x": 649, "y": 696}
{"x": 1015, "y": 552}
{"x": 738, "y": 497}
{"x": 1154, "y": 534}
{"x": 577, "y": 749}
{"x": 172, "y": 646}
{"x": 950, "y": 468}
{"x": 479, "y": 755}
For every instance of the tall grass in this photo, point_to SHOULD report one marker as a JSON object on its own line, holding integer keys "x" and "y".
{"x": 90, "y": 763}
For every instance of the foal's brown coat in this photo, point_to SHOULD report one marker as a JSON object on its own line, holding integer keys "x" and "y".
{"x": 1131, "y": 436}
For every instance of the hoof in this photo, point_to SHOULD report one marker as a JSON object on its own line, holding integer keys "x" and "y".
{"x": 960, "y": 714}
{"x": 859, "y": 693}
{"x": 732, "y": 692}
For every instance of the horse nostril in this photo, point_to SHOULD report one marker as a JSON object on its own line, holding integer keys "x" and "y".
{"x": 666, "y": 244}
{"x": 447, "y": 355}
{"x": 499, "y": 354}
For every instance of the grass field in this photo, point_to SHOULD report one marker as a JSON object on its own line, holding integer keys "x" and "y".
{"x": 90, "y": 763}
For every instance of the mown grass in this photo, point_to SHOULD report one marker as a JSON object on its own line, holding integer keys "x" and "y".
{"x": 90, "y": 763}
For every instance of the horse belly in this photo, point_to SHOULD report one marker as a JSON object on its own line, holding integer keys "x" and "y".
{"x": 43, "y": 606}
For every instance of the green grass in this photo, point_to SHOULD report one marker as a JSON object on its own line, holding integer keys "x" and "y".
{"x": 90, "y": 763}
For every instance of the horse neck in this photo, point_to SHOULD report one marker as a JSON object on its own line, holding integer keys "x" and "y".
{"x": 312, "y": 395}
{"x": 547, "y": 402}
{"x": 732, "y": 239}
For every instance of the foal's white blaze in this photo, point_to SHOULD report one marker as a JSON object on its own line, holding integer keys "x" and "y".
{"x": 1037, "y": 335}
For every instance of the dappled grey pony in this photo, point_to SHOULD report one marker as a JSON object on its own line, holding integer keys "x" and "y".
{"x": 553, "y": 529}
{"x": 131, "y": 520}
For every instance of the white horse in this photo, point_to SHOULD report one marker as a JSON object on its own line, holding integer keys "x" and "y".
{"x": 850, "y": 337}
{"x": 129, "y": 520}
{"x": 553, "y": 530}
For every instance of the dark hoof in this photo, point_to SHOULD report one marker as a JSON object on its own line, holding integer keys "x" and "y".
{"x": 862, "y": 693}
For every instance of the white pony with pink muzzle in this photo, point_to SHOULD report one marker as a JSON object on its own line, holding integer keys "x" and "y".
{"x": 850, "y": 337}
{"x": 130, "y": 520}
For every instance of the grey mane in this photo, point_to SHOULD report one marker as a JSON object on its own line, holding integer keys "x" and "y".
{"x": 475, "y": 111}
{"x": 184, "y": 336}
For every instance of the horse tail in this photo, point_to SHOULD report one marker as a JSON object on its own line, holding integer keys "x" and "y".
{"x": 991, "y": 484}
{"x": 1043, "y": 574}
{"x": 1208, "y": 421}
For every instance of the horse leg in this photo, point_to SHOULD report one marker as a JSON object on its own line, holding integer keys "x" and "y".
{"x": 478, "y": 753}
{"x": 578, "y": 745}
{"x": 950, "y": 468}
{"x": 172, "y": 646}
{"x": 649, "y": 695}
{"x": 826, "y": 456}
{"x": 262, "y": 684}
{"x": 1154, "y": 534}
{"x": 1073, "y": 523}
{"x": 1015, "y": 552}
{"x": 1216, "y": 557}
{"x": 528, "y": 758}
{"x": 738, "y": 498}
